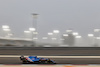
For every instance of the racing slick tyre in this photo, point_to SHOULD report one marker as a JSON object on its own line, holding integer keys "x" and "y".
{"x": 50, "y": 62}
{"x": 43, "y": 62}
{"x": 25, "y": 62}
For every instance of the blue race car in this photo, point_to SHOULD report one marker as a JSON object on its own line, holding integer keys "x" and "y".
{"x": 36, "y": 60}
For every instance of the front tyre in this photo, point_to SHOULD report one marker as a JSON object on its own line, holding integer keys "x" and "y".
{"x": 50, "y": 62}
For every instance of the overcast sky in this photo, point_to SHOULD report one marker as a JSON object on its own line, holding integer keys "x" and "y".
{"x": 81, "y": 15}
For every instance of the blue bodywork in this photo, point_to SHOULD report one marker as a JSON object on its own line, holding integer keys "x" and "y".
{"x": 35, "y": 59}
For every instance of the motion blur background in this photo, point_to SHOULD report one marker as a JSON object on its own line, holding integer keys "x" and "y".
{"x": 50, "y": 23}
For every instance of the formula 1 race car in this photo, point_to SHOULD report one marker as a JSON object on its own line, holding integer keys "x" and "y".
{"x": 36, "y": 60}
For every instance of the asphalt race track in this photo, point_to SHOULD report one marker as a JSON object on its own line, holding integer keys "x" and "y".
{"x": 16, "y": 60}
{"x": 52, "y": 52}
{"x": 71, "y": 51}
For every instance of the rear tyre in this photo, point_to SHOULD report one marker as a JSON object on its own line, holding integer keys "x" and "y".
{"x": 25, "y": 62}
{"x": 43, "y": 62}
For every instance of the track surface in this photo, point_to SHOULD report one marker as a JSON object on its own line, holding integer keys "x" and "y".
{"x": 50, "y": 51}
{"x": 53, "y": 52}
{"x": 16, "y": 60}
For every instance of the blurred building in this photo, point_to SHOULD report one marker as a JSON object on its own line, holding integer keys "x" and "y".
{"x": 69, "y": 40}
{"x": 16, "y": 42}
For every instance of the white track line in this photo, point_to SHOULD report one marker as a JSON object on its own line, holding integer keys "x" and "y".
{"x": 53, "y": 56}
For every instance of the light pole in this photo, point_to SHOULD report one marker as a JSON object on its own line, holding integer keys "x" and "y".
{"x": 32, "y": 30}
{"x": 34, "y": 25}
{"x": 35, "y": 16}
